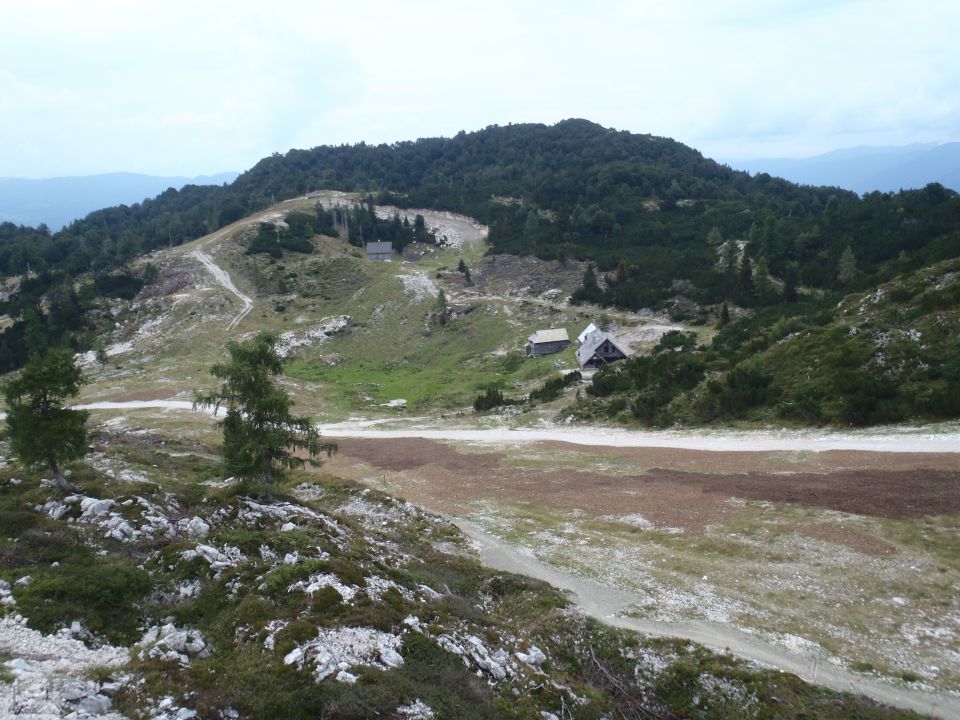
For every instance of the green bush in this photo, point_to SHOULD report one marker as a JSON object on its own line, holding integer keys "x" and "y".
{"x": 491, "y": 398}
{"x": 552, "y": 388}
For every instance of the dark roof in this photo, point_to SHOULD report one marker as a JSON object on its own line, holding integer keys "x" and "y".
{"x": 379, "y": 247}
{"x": 590, "y": 344}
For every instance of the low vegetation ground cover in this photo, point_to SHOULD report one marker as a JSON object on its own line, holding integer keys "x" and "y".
{"x": 796, "y": 547}
{"x": 252, "y": 580}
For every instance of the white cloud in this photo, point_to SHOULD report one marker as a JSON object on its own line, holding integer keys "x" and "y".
{"x": 189, "y": 87}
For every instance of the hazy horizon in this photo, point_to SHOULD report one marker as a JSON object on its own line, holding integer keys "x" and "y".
{"x": 178, "y": 88}
{"x": 723, "y": 160}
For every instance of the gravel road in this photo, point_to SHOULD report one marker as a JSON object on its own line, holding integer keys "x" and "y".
{"x": 606, "y": 604}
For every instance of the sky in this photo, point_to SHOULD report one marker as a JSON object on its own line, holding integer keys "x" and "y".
{"x": 188, "y": 88}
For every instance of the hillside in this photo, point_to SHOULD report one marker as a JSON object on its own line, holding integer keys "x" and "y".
{"x": 362, "y": 335}
{"x": 56, "y": 202}
{"x": 160, "y": 592}
{"x": 718, "y": 547}
{"x": 879, "y": 357}
{"x": 649, "y": 211}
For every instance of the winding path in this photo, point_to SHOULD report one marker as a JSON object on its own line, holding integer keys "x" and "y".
{"x": 606, "y": 604}
{"x": 944, "y": 438}
{"x": 223, "y": 278}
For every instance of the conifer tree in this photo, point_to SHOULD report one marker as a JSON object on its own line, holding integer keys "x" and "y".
{"x": 724, "y": 314}
{"x": 42, "y": 431}
{"x": 847, "y": 267}
{"x": 746, "y": 292}
{"x": 260, "y": 435}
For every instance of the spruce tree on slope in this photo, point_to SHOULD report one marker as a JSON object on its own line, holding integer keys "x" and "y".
{"x": 42, "y": 431}
{"x": 260, "y": 435}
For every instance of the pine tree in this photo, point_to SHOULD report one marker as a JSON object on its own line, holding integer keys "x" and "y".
{"x": 761, "y": 281}
{"x": 260, "y": 435}
{"x": 42, "y": 431}
{"x": 590, "y": 290}
{"x": 746, "y": 293}
{"x": 791, "y": 277}
{"x": 847, "y": 267}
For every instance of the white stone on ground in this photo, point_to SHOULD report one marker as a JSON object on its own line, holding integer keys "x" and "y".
{"x": 417, "y": 710}
{"x": 338, "y": 649}
{"x": 47, "y": 674}
{"x": 167, "y": 642}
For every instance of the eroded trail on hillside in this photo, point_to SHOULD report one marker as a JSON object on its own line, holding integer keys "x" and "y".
{"x": 223, "y": 278}
{"x": 607, "y": 605}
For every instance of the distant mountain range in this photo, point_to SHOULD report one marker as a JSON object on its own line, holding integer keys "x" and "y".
{"x": 865, "y": 169}
{"x": 59, "y": 201}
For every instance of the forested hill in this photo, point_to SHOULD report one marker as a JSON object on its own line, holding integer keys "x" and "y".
{"x": 590, "y": 187}
{"x": 650, "y": 211}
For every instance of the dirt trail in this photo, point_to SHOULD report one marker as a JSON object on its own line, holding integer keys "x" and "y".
{"x": 606, "y": 604}
{"x": 223, "y": 278}
{"x": 944, "y": 438}
{"x": 901, "y": 439}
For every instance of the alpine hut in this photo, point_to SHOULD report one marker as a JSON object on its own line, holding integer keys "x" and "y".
{"x": 380, "y": 251}
{"x": 545, "y": 342}
{"x": 599, "y": 348}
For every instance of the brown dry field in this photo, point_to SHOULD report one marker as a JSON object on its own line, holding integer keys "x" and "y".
{"x": 687, "y": 489}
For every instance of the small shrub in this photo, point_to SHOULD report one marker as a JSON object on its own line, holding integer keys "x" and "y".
{"x": 491, "y": 398}
{"x": 552, "y": 388}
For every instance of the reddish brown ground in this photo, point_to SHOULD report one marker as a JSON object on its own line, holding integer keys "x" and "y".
{"x": 669, "y": 487}
{"x": 851, "y": 537}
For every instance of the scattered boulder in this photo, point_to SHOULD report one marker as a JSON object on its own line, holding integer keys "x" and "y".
{"x": 167, "y": 642}
{"x": 194, "y": 527}
{"x": 534, "y": 656}
{"x": 90, "y": 507}
{"x": 338, "y": 649}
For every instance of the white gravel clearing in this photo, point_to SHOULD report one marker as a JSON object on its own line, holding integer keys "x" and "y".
{"x": 419, "y": 286}
{"x": 452, "y": 230}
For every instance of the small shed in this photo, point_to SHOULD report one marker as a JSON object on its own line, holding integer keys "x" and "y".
{"x": 545, "y": 342}
{"x": 591, "y": 328}
{"x": 599, "y": 348}
{"x": 380, "y": 251}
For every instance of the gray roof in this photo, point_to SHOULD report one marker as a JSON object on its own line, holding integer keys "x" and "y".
{"x": 590, "y": 344}
{"x": 379, "y": 247}
{"x": 549, "y": 336}
{"x": 591, "y": 328}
